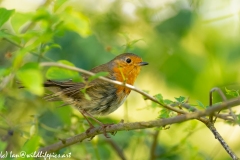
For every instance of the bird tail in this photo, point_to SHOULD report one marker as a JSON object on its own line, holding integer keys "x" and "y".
{"x": 61, "y": 84}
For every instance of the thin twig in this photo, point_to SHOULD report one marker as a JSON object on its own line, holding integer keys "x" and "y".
{"x": 33, "y": 53}
{"x": 226, "y": 117}
{"x": 116, "y": 148}
{"x": 140, "y": 125}
{"x": 154, "y": 145}
{"x": 224, "y": 98}
{"x": 193, "y": 109}
{"x": 221, "y": 140}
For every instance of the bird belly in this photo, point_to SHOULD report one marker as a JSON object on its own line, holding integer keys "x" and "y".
{"x": 105, "y": 105}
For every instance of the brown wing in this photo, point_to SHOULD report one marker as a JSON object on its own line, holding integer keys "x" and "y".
{"x": 62, "y": 89}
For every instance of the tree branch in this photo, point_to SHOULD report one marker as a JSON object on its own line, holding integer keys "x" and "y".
{"x": 196, "y": 114}
{"x": 221, "y": 140}
{"x": 140, "y": 125}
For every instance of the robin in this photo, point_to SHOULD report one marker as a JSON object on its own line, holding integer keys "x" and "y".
{"x": 105, "y": 97}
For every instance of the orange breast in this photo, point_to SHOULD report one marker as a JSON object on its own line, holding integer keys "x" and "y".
{"x": 127, "y": 75}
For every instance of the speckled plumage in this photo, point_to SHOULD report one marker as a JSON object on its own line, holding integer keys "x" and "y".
{"x": 105, "y": 97}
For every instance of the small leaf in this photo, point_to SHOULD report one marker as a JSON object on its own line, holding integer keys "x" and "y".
{"x": 164, "y": 113}
{"x": 41, "y": 14}
{"x": 58, "y": 4}
{"x": 76, "y": 21}
{"x": 167, "y": 101}
{"x": 154, "y": 104}
{"x": 200, "y": 104}
{"x": 159, "y": 97}
{"x": 13, "y": 38}
{"x": 5, "y": 15}
{"x": 31, "y": 145}
{"x": 180, "y": 99}
{"x": 233, "y": 93}
{"x": 50, "y": 46}
{"x": 19, "y": 19}
{"x": 3, "y": 146}
{"x": 99, "y": 74}
{"x": 31, "y": 78}
{"x": 56, "y": 73}
{"x": 2, "y": 71}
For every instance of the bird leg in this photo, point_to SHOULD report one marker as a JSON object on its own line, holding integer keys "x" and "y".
{"x": 90, "y": 124}
{"x": 104, "y": 126}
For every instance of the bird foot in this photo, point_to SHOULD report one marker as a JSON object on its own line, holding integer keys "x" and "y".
{"x": 88, "y": 130}
{"x": 104, "y": 127}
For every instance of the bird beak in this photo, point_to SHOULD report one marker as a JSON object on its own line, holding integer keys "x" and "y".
{"x": 142, "y": 63}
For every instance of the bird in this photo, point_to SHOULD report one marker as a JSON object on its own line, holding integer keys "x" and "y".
{"x": 104, "y": 97}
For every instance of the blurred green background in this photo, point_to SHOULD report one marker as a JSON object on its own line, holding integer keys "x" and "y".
{"x": 191, "y": 46}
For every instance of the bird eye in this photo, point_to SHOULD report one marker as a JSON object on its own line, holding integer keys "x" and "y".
{"x": 128, "y": 60}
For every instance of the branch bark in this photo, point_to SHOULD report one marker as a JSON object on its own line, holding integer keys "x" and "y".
{"x": 140, "y": 125}
{"x": 154, "y": 145}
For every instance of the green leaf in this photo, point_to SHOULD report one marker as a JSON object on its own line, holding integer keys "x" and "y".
{"x": 41, "y": 14}
{"x": 167, "y": 101}
{"x": 200, "y": 104}
{"x": 10, "y": 37}
{"x": 50, "y": 46}
{"x": 5, "y": 15}
{"x": 31, "y": 78}
{"x": 99, "y": 74}
{"x": 56, "y": 73}
{"x": 31, "y": 145}
{"x": 76, "y": 21}
{"x": 154, "y": 105}
{"x": 58, "y": 4}
{"x": 233, "y": 93}
{"x": 3, "y": 146}
{"x": 2, "y": 71}
{"x": 159, "y": 97}
{"x": 19, "y": 19}
{"x": 180, "y": 99}
{"x": 164, "y": 113}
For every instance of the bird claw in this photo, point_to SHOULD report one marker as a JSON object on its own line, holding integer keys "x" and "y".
{"x": 104, "y": 126}
{"x": 89, "y": 129}
{"x": 87, "y": 132}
